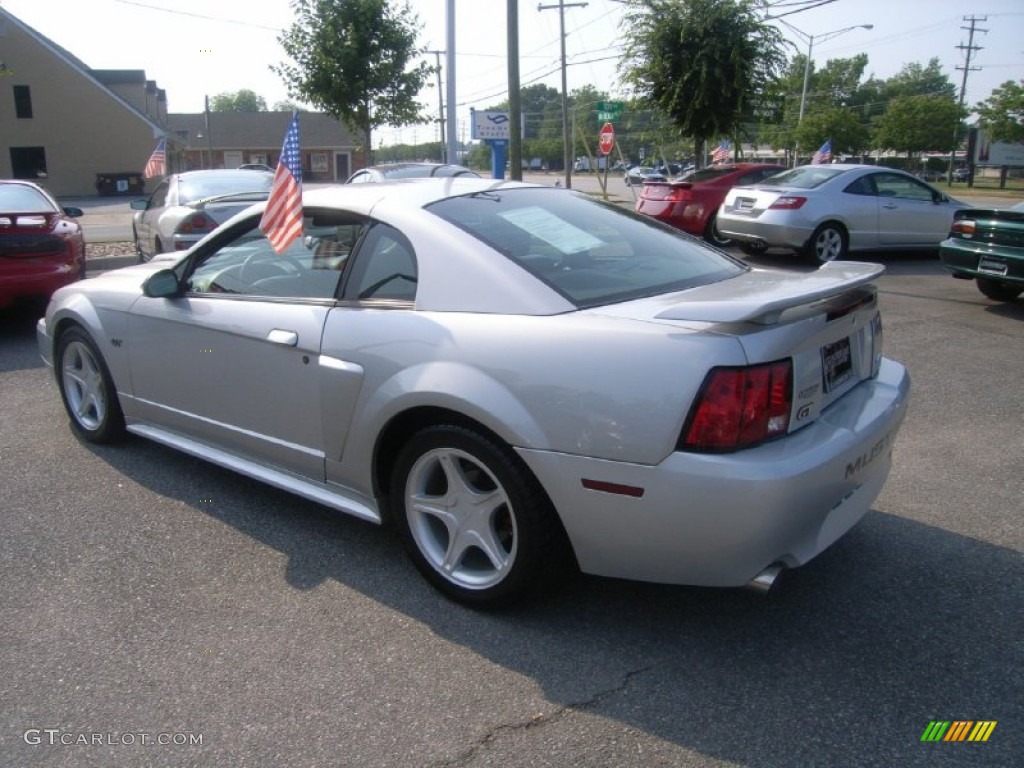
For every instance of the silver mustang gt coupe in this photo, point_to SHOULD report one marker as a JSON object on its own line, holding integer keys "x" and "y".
{"x": 519, "y": 377}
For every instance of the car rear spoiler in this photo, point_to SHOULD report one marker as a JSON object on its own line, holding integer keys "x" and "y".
{"x": 761, "y": 296}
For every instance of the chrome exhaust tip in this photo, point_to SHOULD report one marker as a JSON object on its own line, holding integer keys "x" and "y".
{"x": 765, "y": 579}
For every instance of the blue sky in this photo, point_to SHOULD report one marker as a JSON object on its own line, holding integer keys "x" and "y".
{"x": 196, "y": 47}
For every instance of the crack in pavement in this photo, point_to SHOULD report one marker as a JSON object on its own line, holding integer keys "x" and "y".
{"x": 538, "y": 720}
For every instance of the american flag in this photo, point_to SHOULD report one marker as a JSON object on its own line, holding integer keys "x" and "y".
{"x": 823, "y": 155}
{"x": 282, "y": 219}
{"x": 157, "y": 163}
{"x": 721, "y": 153}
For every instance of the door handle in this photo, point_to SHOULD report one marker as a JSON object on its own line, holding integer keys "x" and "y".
{"x": 284, "y": 338}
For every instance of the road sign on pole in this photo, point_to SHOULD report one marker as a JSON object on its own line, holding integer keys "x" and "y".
{"x": 606, "y": 139}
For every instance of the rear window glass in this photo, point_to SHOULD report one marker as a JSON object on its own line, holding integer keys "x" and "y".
{"x": 17, "y": 198}
{"x": 706, "y": 174}
{"x": 591, "y": 252}
{"x": 806, "y": 176}
{"x": 218, "y": 185}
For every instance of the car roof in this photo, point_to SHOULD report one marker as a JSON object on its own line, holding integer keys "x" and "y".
{"x": 416, "y": 192}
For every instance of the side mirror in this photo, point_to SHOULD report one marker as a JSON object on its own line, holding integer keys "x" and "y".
{"x": 74, "y": 213}
{"x": 162, "y": 285}
{"x": 139, "y": 205}
{"x": 938, "y": 197}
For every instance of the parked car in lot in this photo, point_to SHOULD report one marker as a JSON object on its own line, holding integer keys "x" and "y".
{"x": 185, "y": 207}
{"x": 987, "y": 246}
{"x": 519, "y": 377}
{"x": 391, "y": 171}
{"x": 827, "y": 211}
{"x": 640, "y": 174}
{"x": 961, "y": 174}
{"x": 691, "y": 202}
{"x": 41, "y": 245}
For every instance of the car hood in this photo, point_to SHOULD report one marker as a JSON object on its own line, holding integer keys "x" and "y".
{"x": 757, "y": 296}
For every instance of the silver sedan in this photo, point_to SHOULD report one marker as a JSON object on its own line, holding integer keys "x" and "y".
{"x": 186, "y": 206}
{"x": 519, "y": 377}
{"x": 827, "y": 211}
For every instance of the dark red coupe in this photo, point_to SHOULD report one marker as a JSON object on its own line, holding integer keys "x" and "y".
{"x": 691, "y": 202}
{"x": 41, "y": 245}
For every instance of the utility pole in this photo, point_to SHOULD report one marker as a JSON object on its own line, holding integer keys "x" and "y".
{"x": 566, "y": 137}
{"x": 970, "y": 48}
{"x": 515, "y": 107}
{"x": 452, "y": 144}
{"x": 440, "y": 101}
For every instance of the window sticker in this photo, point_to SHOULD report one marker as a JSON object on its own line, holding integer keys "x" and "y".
{"x": 551, "y": 229}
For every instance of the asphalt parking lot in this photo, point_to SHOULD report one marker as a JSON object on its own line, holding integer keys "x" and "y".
{"x": 161, "y": 611}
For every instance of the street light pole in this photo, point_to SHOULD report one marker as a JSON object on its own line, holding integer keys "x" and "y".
{"x": 810, "y": 50}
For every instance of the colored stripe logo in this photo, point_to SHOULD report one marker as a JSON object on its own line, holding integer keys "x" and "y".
{"x": 958, "y": 730}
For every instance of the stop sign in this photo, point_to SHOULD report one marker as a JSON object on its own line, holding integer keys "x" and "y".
{"x": 607, "y": 137}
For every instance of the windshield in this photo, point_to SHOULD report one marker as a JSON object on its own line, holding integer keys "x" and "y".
{"x": 591, "y": 252}
{"x": 805, "y": 177}
{"x": 217, "y": 185}
{"x": 707, "y": 174}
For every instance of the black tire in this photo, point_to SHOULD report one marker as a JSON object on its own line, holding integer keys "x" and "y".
{"x": 138, "y": 246}
{"x": 997, "y": 291}
{"x": 87, "y": 388}
{"x": 828, "y": 243}
{"x": 474, "y": 493}
{"x": 713, "y": 236}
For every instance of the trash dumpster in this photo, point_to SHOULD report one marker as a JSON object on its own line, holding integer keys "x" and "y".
{"x": 114, "y": 184}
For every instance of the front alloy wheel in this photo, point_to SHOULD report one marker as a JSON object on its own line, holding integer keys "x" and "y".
{"x": 87, "y": 388}
{"x": 474, "y": 519}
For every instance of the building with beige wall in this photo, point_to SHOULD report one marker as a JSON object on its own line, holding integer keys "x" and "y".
{"x": 79, "y": 131}
{"x": 59, "y": 124}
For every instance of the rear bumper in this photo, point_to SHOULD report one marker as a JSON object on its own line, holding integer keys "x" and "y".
{"x": 969, "y": 259}
{"x": 719, "y": 520}
{"x": 32, "y": 278}
{"x": 766, "y": 230}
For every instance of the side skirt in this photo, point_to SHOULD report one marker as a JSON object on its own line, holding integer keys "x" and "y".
{"x": 330, "y": 496}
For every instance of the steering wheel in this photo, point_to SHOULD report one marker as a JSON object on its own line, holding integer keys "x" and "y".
{"x": 260, "y": 265}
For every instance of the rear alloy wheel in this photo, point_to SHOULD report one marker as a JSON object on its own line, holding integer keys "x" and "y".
{"x": 475, "y": 521}
{"x": 87, "y": 388}
{"x": 713, "y": 236}
{"x": 997, "y": 291}
{"x": 828, "y": 243}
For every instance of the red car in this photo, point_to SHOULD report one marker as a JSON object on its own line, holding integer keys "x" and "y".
{"x": 41, "y": 245}
{"x": 691, "y": 202}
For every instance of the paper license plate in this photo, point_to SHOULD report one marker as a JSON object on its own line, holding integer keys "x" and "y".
{"x": 837, "y": 362}
{"x": 991, "y": 266}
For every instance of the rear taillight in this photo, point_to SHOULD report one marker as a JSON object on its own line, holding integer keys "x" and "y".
{"x": 197, "y": 223}
{"x": 965, "y": 227}
{"x": 788, "y": 203}
{"x": 740, "y": 407}
{"x": 680, "y": 195}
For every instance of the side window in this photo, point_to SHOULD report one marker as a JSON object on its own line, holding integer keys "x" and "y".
{"x": 311, "y": 268}
{"x": 902, "y": 187}
{"x": 862, "y": 186}
{"x": 159, "y": 198}
{"x": 385, "y": 267}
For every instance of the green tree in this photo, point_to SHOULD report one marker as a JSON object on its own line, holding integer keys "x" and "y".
{"x": 354, "y": 59}
{"x": 703, "y": 63}
{"x": 1002, "y": 114}
{"x": 917, "y": 80}
{"x": 239, "y": 101}
{"x": 286, "y": 105}
{"x": 920, "y": 123}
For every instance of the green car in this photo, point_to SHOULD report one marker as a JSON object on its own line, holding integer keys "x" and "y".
{"x": 987, "y": 246}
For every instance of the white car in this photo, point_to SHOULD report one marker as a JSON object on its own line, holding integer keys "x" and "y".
{"x": 186, "y": 206}
{"x": 518, "y": 376}
{"x": 828, "y": 211}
